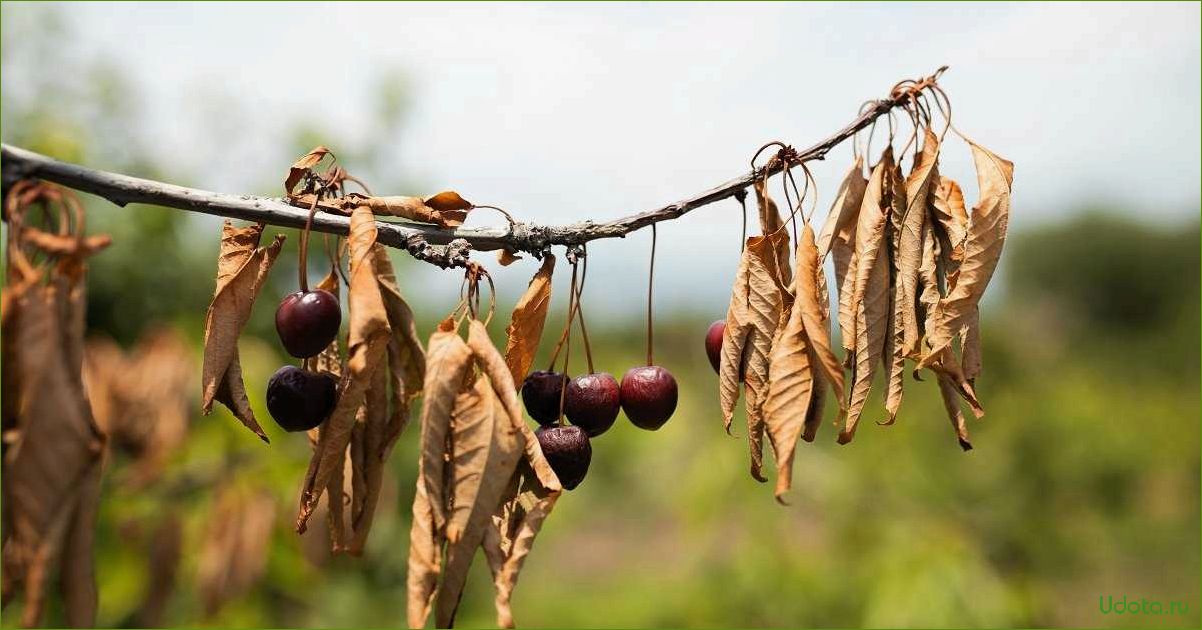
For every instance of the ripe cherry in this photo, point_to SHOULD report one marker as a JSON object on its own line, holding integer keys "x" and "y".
{"x": 713, "y": 342}
{"x": 648, "y": 396}
{"x": 568, "y": 451}
{"x": 300, "y": 400}
{"x": 307, "y": 322}
{"x": 592, "y": 402}
{"x": 541, "y": 393}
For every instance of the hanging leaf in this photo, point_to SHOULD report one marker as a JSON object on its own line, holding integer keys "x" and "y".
{"x": 406, "y": 357}
{"x": 233, "y": 554}
{"x": 839, "y": 239}
{"x": 492, "y": 365}
{"x": 425, "y": 550}
{"x": 507, "y": 550}
{"x": 372, "y": 425}
{"x": 951, "y": 227}
{"x": 448, "y": 360}
{"x": 242, "y": 267}
{"x": 813, "y": 305}
{"x": 368, "y": 340}
{"x": 302, "y": 166}
{"x": 951, "y": 403}
{"x": 526, "y": 323}
{"x": 871, "y": 295}
{"x": 983, "y": 247}
{"x": 790, "y": 392}
{"x": 756, "y": 307}
{"x": 503, "y": 450}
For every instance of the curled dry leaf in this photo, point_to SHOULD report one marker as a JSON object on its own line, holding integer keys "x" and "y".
{"x": 367, "y": 469}
{"x": 951, "y": 403}
{"x": 303, "y": 165}
{"x": 950, "y": 219}
{"x": 446, "y": 209}
{"x": 509, "y": 540}
{"x": 813, "y": 304}
{"x": 907, "y": 258}
{"x": 838, "y": 238}
{"x": 448, "y": 360}
{"x": 526, "y": 323}
{"x": 368, "y": 340}
{"x": 425, "y": 554}
{"x": 956, "y": 313}
{"x": 506, "y": 257}
{"x": 242, "y": 267}
{"x": 871, "y": 295}
{"x": 488, "y": 485}
{"x": 492, "y": 365}
{"x": 406, "y": 357}
{"x": 755, "y": 312}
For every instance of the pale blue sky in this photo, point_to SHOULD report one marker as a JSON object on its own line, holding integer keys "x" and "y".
{"x": 566, "y": 112}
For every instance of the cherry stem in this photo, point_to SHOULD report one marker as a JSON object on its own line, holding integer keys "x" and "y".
{"x": 567, "y": 329}
{"x": 573, "y": 303}
{"x": 588, "y": 350}
{"x": 650, "y": 283}
{"x": 304, "y": 246}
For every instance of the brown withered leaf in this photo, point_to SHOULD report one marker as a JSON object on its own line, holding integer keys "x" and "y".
{"x": 790, "y": 392}
{"x": 406, "y": 357}
{"x": 448, "y": 360}
{"x": 951, "y": 404}
{"x": 506, "y": 257}
{"x": 951, "y": 227}
{"x": 242, "y": 267}
{"x": 233, "y": 555}
{"x": 368, "y": 340}
{"x": 425, "y": 553}
{"x": 526, "y": 323}
{"x": 162, "y": 560}
{"x": 492, "y": 365}
{"x": 770, "y": 223}
{"x": 504, "y": 451}
{"x": 814, "y": 305}
{"x": 906, "y": 336}
{"x": 372, "y": 427}
{"x": 303, "y": 165}
{"x": 51, "y": 466}
{"x": 871, "y": 295}
{"x": 446, "y": 209}
{"x": 507, "y": 550}
{"x": 983, "y": 247}
{"x": 755, "y": 312}
{"x": 928, "y": 276}
{"x": 838, "y": 238}
{"x": 471, "y": 433}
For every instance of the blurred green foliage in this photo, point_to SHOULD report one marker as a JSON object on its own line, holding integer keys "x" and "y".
{"x": 1084, "y": 482}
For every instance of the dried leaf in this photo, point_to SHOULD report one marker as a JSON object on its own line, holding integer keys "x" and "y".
{"x": 446, "y": 213}
{"x": 755, "y": 312}
{"x": 425, "y": 552}
{"x": 951, "y": 403}
{"x": 813, "y": 305}
{"x": 492, "y": 365}
{"x": 303, "y": 165}
{"x": 448, "y": 360}
{"x": 506, "y": 257}
{"x": 373, "y": 419}
{"x": 790, "y": 391}
{"x": 526, "y": 323}
{"x": 242, "y": 267}
{"x": 951, "y": 226}
{"x": 503, "y": 449}
{"x": 957, "y": 311}
{"x": 871, "y": 295}
{"x": 369, "y": 335}
{"x": 539, "y": 501}
{"x": 406, "y": 357}
{"x": 839, "y": 239}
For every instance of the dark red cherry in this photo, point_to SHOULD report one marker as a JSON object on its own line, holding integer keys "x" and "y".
{"x": 568, "y": 451}
{"x": 592, "y": 402}
{"x": 713, "y": 342}
{"x": 300, "y": 400}
{"x": 307, "y": 322}
{"x": 648, "y": 396}
{"x": 540, "y": 393}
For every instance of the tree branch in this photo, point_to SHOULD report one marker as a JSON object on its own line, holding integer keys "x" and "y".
{"x": 443, "y": 247}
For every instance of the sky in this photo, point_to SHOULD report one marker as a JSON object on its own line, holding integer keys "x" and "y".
{"x": 561, "y": 113}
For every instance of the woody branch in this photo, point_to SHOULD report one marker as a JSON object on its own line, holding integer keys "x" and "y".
{"x": 444, "y": 247}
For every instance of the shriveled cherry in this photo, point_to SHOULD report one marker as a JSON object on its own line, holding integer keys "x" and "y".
{"x": 592, "y": 402}
{"x": 307, "y": 322}
{"x": 569, "y": 452}
{"x": 541, "y": 393}
{"x": 299, "y": 400}
{"x": 713, "y": 342}
{"x": 648, "y": 396}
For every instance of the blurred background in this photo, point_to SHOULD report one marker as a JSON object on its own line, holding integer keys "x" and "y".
{"x": 1085, "y": 478}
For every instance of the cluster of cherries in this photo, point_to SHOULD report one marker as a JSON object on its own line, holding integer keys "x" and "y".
{"x": 307, "y": 322}
{"x": 591, "y": 402}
